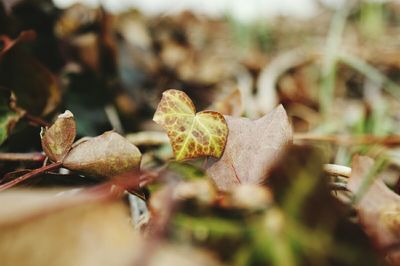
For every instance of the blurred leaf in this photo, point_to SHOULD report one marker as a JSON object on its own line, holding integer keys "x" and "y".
{"x": 8, "y": 116}
{"x": 35, "y": 86}
{"x": 229, "y": 104}
{"x": 70, "y": 227}
{"x": 379, "y": 207}
{"x": 252, "y": 149}
{"x": 192, "y": 135}
{"x": 107, "y": 155}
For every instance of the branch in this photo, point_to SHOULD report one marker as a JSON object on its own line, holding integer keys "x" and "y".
{"x": 31, "y": 174}
{"x": 36, "y": 120}
{"x": 392, "y": 140}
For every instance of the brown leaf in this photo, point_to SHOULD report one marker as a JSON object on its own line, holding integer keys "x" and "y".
{"x": 379, "y": 207}
{"x": 252, "y": 149}
{"x": 58, "y": 139}
{"x": 107, "y": 155}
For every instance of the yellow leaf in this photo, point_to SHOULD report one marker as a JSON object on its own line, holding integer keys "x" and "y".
{"x": 191, "y": 134}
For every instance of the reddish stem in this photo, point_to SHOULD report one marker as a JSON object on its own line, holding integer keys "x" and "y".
{"x": 31, "y": 174}
{"x": 36, "y": 120}
{"x": 34, "y": 156}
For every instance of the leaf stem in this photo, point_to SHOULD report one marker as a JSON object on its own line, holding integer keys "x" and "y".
{"x": 33, "y": 156}
{"x": 36, "y": 120}
{"x": 31, "y": 174}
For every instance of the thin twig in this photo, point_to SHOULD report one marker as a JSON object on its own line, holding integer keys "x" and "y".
{"x": 31, "y": 174}
{"x": 350, "y": 140}
{"x": 33, "y": 156}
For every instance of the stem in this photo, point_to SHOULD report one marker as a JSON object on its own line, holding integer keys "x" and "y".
{"x": 36, "y": 120}
{"x": 34, "y": 156}
{"x": 333, "y": 43}
{"x": 31, "y": 174}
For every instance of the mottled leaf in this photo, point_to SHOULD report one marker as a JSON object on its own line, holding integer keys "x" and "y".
{"x": 8, "y": 116}
{"x": 252, "y": 149}
{"x": 57, "y": 140}
{"x": 107, "y": 155}
{"x": 378, "y": 208}
{"x": 191, "y": 134}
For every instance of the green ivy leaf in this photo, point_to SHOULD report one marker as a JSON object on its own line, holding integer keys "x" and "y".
{"x": 191, "y": 134}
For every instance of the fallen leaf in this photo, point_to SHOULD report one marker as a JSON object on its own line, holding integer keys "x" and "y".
{"x": 378, "y": 209}
{"x": 252, "y": 149}
{"x": 107, "y": 155}
{"x": 191, "y": 134}
{"x": 8, "y": 116}
{"x": 58, "y": 139}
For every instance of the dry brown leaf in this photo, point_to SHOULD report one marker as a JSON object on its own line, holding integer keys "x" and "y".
{"x": 107, "y": 155}
{"x": 57, "y": 140}
{"x": 378, "y": 209}
{"x": 252, "y": 149}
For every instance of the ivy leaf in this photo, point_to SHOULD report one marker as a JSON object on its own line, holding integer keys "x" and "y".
{"x": 106, "y": 155}
{"x": 58, "y": 139}
{"x": 191, "y": 134}
{"x": 8, "y": 115}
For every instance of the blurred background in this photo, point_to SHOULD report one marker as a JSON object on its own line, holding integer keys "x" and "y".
{"x": 333, "y": 65}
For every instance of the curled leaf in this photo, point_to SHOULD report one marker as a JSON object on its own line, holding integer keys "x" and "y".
{"x": 107, "y": 155}
{"x": 58, "y": 139}
{"x": 191, "y": 134}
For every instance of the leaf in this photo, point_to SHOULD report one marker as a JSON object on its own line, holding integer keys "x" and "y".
{"x": 8, "y": 116}
{"x": 36, "y": 88}
{"x": 252, "y": 149}
{"x": 58, "y": 139}
{"x": 107, "y": 155}
{"x": 191, "y": 134}
{"x": 378, "y": 209}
